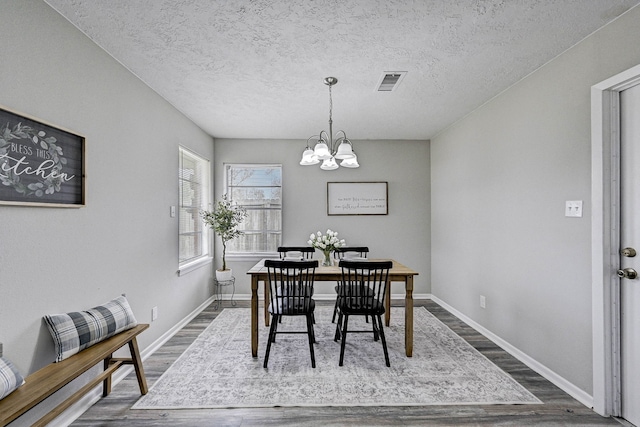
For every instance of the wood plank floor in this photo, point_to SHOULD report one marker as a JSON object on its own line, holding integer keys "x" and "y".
{"x": 559, "y": 409}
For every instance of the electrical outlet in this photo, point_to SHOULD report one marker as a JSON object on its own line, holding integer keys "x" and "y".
{"x": 483, "y": 302}
{"x": 573, "y": 208}
{"x": 154, "y": 313}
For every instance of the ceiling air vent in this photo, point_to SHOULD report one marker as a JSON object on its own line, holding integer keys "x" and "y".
{"x": 390, "y": 80}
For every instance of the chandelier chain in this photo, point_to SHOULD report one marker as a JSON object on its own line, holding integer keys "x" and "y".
{"x": 330, "y": 105}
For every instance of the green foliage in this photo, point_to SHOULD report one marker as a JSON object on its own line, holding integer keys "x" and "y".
{"x": 225, "y": 220}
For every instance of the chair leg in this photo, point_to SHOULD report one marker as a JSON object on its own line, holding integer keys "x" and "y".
{"x": 278, "y": 319}
{"x": 335, "y": 311}
{"x": 313, "y": 332}
{"x": 337, "y": 335}
{"x": 344, "y": 337}
{"x": 384, "y": 341}
{"x": 272, "y": 338}
{"x": 311, "y": 335}
{"x": 374, "y": 325}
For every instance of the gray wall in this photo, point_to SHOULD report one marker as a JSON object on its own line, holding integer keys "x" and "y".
{"x": 123, "y": 241}
{"x": 402, "y": 235}
{"x": 500, "y": 179}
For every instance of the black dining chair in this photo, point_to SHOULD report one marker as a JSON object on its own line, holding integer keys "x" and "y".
{"x": 306, "y": 252}
{"x": 347, "y": 252}
{"x": 290, "y": 294}
{"x": 362, "y": 293}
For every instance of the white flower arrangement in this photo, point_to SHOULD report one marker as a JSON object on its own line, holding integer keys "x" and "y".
{"x": 326, "y": 243}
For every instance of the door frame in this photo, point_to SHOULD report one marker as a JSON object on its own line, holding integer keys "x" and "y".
{"x": 605, "y": 226}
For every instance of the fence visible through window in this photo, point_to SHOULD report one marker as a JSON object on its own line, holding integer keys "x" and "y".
{"x": 257, "y": 187}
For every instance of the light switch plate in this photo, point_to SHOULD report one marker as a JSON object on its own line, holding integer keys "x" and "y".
{"x": 573, "y": 208}
{"x": 172, "y": 211}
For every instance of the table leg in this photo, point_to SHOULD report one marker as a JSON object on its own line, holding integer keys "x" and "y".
{"x": 408, "y": 316}
{"x": 254, "y": 316}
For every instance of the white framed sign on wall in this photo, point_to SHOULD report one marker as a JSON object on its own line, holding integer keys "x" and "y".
{"x": 357, "y": 198}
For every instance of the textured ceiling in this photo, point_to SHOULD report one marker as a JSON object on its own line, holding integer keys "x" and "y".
{"x": 255, "y": 68}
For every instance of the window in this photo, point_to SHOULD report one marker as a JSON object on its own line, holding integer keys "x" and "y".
{"x": 259, "y": 189}
{"x": 193, "y": 179}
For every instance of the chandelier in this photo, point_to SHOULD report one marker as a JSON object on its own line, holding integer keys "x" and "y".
{"x": 327, "y": 149}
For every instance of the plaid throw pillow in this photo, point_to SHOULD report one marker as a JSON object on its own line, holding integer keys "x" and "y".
{"x": 76, "y": 331}
{"x": 10, "y": 378}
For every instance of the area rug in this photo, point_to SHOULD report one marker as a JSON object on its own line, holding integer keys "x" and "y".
{"x": 217, "y": 370}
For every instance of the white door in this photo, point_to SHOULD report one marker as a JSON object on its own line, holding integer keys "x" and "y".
{"x": 630, "y": 238}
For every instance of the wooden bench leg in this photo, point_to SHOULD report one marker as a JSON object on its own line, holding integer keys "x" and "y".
{"x": 106, "y": 384}
{"x": 137, "y": 364}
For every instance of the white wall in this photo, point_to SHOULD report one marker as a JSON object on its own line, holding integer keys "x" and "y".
{"x": 123, "y": 241}
{"x": 500, "y": 179}
{"x": 401, "y": 235}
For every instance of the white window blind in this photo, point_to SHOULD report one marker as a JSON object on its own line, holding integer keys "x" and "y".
{"x": 193, "y": 179}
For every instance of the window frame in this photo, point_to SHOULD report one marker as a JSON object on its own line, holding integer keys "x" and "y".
{"x": 205, "y": 257}
{"x": 227, "y": 190}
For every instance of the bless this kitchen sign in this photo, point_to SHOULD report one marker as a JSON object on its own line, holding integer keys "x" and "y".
{"x": 39, "y": 164}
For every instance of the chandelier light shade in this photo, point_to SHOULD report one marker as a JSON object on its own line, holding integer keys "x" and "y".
{"x": 308, "y": 159}
{"x": 350, "y": 163}
{"x": 326, "y": 148}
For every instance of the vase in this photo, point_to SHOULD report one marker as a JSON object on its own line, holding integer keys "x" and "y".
{"x": 326, "y": 262}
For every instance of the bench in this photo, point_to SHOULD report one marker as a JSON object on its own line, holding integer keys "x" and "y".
{"x": 46, "y": 381}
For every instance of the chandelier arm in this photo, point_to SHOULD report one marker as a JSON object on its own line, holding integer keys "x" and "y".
{"x": 327, "y": 139}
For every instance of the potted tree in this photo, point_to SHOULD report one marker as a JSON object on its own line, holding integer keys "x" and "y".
{"x": 224, "y": 220}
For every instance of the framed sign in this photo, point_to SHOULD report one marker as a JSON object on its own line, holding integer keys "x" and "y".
{"x": 357, "y": 198}
{"x": 40, "y": 165}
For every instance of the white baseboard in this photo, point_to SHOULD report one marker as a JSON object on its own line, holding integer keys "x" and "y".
{"x": 568, "y": 387}
{"x": 89, "y": 399}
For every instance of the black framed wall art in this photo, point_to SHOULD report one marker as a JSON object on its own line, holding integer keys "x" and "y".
{"x": 40, "y": 164}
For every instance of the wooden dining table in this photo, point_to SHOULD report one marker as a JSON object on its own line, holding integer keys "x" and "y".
{"x": 398, "y": 273}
